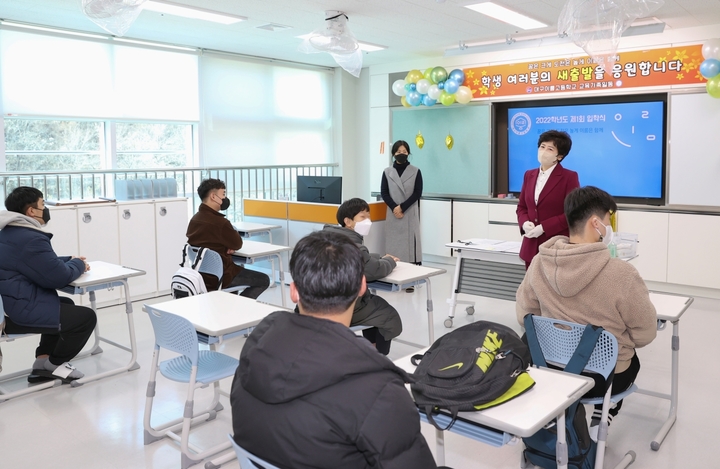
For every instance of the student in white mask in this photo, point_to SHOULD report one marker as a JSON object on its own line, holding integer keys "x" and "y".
{"x": 354, "y": 221}
{"x": 540, "y": 206}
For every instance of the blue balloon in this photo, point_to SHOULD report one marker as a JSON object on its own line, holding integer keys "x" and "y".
{"x": 441, "y": 85}
{"x": 413, "y": 98}
{"x": 413, "y": 87}
{"x": 710, "y": 68}
{"x": 457, "y": 75}
{"x": 451, "y": 86}
{"x": 408, "y": 87}
{"x": 427, "y": 100}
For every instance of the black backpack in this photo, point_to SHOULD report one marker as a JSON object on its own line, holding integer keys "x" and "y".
{"x": 471, "y": 368}
{"x": 540, "y": 447}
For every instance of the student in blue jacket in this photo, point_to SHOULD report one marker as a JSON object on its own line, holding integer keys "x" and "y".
{"x": 30, "y": 274}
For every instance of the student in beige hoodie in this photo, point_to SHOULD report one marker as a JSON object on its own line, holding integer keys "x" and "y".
{"x": 575, "y": 279}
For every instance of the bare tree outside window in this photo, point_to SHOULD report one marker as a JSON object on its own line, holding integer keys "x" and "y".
{"x": 141, "y": 145}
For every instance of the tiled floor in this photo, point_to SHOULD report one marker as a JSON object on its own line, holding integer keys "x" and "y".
{"x": 99, "y": 425}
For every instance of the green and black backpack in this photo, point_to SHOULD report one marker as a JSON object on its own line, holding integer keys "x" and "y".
{"x": 474, "y": 367}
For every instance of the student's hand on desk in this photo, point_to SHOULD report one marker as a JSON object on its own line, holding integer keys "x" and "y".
{"x": 396, "y": 259}
{"x": 82, "y": 258}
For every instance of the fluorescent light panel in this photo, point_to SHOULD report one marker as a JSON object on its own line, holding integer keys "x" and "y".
{"x": 364, "y": 46}
{"x": 154, "y": 44}
{"x": 191, "y": 12}
{"x": 506, "y": 15}
{"x": 52, "y": 30}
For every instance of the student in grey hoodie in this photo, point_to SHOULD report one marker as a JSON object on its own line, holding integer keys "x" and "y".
{"x": 575, "y": 279}
{"x": 370, "y": 310}
{"x": 30, "y": 274}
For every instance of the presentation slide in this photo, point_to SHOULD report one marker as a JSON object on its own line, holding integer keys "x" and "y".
{"x": 617, "y": 147}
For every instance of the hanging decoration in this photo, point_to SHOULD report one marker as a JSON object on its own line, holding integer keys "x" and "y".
{"x": 710, "y": 67}
{"x": 419, "y": 140}
{"x": 433, "y": 85}
{"x": 449, "y": 141}
{"x": 114, "y": 16}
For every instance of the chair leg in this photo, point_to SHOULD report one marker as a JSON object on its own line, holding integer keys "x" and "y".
{"x": 603, "y": 430}
{"x": 150, "y": 435}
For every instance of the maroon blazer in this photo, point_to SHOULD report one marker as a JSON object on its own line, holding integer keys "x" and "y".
{"x": 549, "y": 211}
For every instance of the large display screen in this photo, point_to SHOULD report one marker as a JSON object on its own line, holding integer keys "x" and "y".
{"x": 617, "y": 146}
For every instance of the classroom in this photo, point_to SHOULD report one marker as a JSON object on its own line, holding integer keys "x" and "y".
{"x": 117, "y": 110}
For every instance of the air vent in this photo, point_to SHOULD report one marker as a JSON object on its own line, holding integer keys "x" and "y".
{"x": 274, "y": 27}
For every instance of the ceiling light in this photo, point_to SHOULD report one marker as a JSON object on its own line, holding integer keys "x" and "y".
{"x": 51, "y": 30}
{"x": 364, "y": 46}
{"x": 506, "y": 15}
{"x": 160, "y": 6}
{"x": 153, "y": 44}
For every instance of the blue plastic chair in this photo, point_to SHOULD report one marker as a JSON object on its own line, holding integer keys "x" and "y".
{"x": 558, "y": 340}
{"x": 212, "y": 265}
{"x": 197, "y": 368}
{"x": 248, "y": 460}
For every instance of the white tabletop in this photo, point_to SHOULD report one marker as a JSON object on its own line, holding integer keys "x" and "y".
{"x": 670, "y": 307}
{"x": 253, "y": 249}
{"x": 249, "y": 227}
{"x": 218, "y": 313}
{"x": 526, "y": 414}
{"x": 406, "y": 273}
{"x": 103, "y": 272}
{"x": 492, "y": 245}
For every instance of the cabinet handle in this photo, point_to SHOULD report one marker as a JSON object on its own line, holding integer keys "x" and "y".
{"x": 87, "y": 218}
{"x": 126, "y": 214}
{"x": 163, "y": 211}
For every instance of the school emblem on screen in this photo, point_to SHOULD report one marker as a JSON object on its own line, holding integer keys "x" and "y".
{"x": 520, "y": 123}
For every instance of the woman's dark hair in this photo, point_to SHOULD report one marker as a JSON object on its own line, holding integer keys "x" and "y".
{"x": 327, "y": 269}
{"x": 584, "y": 202}
{"x": 208, "y": 185}
{"x": 561, "y": 140}
{"x": 21, "y": 198}
{"x": 400, "y": 143}
{"x": 350, "y": 208}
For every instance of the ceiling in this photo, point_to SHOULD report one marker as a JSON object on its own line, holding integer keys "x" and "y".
{"x": 412, "y": 29}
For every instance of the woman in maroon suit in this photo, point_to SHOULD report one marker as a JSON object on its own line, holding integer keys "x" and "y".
{"x": 540, "y": 209}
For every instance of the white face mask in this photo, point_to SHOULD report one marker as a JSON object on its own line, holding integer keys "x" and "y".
{"x": 363, "y": 227}
{"x": 607, "y": 239}
{"x": 546, "y": 158}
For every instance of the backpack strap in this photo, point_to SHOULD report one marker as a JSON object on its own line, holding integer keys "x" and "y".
{"x": 585, "y": 348}
{"x": 199, "y": 258}
{"x": 185, "y": 254}
{"x": 429, "y": 411}
{"x": 536, "y": 353}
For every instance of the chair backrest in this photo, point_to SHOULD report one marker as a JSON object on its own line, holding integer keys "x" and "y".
{"x": 559, "y": 339}
{"x": 247, "y": 460}
{"x": 212, "y": 263}
{"x": 174, "y": 333}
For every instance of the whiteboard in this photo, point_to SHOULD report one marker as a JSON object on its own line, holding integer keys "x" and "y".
{"x": 694, "y": 150}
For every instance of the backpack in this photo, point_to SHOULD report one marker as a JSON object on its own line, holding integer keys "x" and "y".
{"x": 474, "y": 367}
{"x": 187, "y": 281}
{"x": 581, "y": 449}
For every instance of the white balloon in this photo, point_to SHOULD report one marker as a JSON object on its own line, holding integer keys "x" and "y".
{"x": 399, "y": 88}
{"x": 434, "y": 92}
{"x": 463, "y": 95}
{"x": 711, "y": 49}
{"x": 422, "y": 86}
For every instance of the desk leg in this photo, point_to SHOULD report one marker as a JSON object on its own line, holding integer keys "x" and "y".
{"x": 454, "y": 293}
{"x": 272, "y": 262}
{"x": 440, "y": 447}
{"x": 282, "y": 279}
{"x": 672, "y": 416}
{"x": 95, "y": 349}
{"x": 431, "y": 322}
{"x": 561, "y": 450}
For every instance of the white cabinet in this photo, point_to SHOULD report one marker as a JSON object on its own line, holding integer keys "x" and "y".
{"x": 435, "y": 225}
{"x": 171, "y": 221}
{"x": 502, "y": 222}
{"x": 652, "y": 250}
{"x": 470, "y": 220}
{"x": 98, "y": 240}
{"x": 692, "y": 258}
{"x": 63, "y": 226}
{"x": 136, "y": 228}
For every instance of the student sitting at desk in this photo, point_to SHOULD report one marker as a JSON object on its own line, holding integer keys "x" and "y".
{"x": 309, "y": 393}
{"x": 370, "y": 310}
{"x": 209, "y": 228}
{"x": 575, "y": 279}
{"x": 30, "y": 273}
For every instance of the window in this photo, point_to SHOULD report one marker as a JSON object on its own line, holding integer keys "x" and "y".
{"x": 153, "y": 145}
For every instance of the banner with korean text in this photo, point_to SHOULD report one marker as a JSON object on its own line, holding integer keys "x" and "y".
{"x": 654, "y": 67}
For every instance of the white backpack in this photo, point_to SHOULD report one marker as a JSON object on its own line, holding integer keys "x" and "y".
{"x": 187, "y": 281}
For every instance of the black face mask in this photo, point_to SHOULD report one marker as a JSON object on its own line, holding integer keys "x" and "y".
{"x": 46, "y": 215}
{"x": 225, "y": 204}
{"x": 401, "y": 158}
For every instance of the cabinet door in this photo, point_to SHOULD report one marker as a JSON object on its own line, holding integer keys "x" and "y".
{"x": 136, "y": 224}
{"x": 171, "y": 220}
{"x": 692, "y": 257}
{"x": 470, "y": 220}
{"x": 98, "y": 241}
{"x": 435, "y": 227}
{"x": 63, "y": 226}
{"x": 502, "y": 222}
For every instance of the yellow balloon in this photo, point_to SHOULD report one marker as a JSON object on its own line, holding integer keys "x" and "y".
{"x": 713, "y": 86}
{"x": 414, "y": 76}
{"x": 419, "y": 140}
{"x": 427, "y": 75}
{"x": 449, "y": 142}
{"x": 404, "y": 101}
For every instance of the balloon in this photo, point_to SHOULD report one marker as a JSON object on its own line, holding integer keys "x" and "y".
{"x": 413, "y": 76}
{"x": 441, "y": 85}
{"x": 711, "y": 49}
{"x": 446, "y": 98}
{"x": 404, "y": 102}
{"x": 463, "y": 95}
{"x": 710, "y": 67}
{"x": 428, "y": 101}
{"x": 457, "y": 75}
{"x": 398, "y": 87}
{"x": 451, "y": 86}
{"x": 413, "y": 98}
{"x": 438, "y": 74}
{"x": 433, "y": 92}
{"x": 426, "y": 75}
{"x": 408, "y": 87}
{"x": 713, "y": 87}
{"x": 422, "y": 86}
